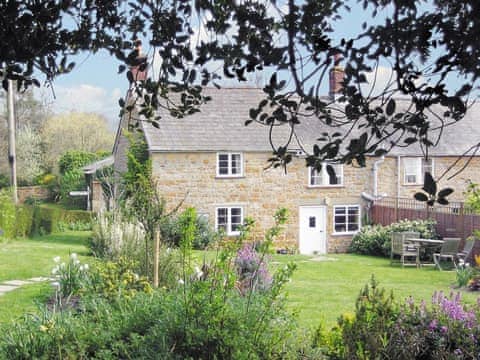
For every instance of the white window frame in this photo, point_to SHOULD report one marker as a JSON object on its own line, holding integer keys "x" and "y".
{"x": 324, "y": 175}
{"x": 415, "y": 166}
{"x": 229, "y": 208}
{"x": 229, "y": 171}
{"x": 346, "y": 219}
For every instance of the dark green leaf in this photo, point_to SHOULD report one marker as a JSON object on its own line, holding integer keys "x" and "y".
{"x": 429, "y": 184}
{"x": 445, "y": 192}
{"x": 420, "y": 196}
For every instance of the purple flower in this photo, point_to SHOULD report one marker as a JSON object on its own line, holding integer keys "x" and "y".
{"x": 443, "y": 329}
{"x": 433, "y": 325}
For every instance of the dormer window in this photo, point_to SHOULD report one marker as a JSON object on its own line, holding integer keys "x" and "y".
{"x": 229, "y": 164}
{"x": 328, "y": 175}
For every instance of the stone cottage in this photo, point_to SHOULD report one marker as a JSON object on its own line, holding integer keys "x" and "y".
{"x": 213, "y": 162}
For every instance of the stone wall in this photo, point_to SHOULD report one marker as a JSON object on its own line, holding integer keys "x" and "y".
{"x": 191, "y": 177}
{"x": 36, "y": 192}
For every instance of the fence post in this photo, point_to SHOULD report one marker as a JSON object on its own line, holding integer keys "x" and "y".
{"x": 155, "y": 259}
{"x": 462, "y": 221}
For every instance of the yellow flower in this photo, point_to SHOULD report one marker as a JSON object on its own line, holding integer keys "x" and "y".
{"x": 477, "y": 260}
{"x": 348, "y": 316}
{"x": 43, "y": 328}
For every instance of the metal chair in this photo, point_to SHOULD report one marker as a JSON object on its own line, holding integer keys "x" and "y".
{"x": 448, "y": 251}
{"x": 404, "y": 249}
{"x": 466, "y": 254}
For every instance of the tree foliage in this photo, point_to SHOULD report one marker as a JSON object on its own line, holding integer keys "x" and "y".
{"x": 295, "y": 43}
{"x": 84, "y": 132}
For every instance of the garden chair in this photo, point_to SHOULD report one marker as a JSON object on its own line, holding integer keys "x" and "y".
{"x": 467, "y": 253}
{"x": 448, "y": 251}
{"x": 404, "y": 249}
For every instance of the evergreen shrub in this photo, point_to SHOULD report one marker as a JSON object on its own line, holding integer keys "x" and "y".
{"x": 375, "y": 239}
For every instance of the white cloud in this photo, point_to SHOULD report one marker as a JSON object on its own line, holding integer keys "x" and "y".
{"x": 85, "y": 98}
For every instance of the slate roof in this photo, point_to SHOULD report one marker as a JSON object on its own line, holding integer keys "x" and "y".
{"x": 220, "y": 126}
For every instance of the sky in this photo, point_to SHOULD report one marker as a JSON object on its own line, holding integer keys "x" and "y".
{"x": 95, "y": 85}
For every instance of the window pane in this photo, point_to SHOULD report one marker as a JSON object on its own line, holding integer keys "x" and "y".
{"x": 315, "y": 177}
{"x": 340, "y": 228}
{"x": 222, "y": 218}
{"x": 352, "y": 227}
{"x": 340, "y": 210}
{"x": 340, "y": 219}
{"x": 312, "y": 221}
{"x": 236, "y": 164}
{"x": 236, "y": 218}
{"x": 412, "y": 170}
{"x": 223, "y": 164}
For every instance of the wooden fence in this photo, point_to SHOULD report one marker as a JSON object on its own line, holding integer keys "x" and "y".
{"x": 453, "y": 220}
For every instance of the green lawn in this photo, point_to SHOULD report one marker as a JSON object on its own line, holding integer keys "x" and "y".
{"x": 319, "y": 290}
{"x": 24, "y": 300}
{"x": 323, "y": 290}
{"x": 26, "y": 258}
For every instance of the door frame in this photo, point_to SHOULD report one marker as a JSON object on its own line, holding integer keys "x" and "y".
{"x": 325, "y": 218}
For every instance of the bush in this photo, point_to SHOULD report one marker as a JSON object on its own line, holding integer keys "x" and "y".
{"x": 47, "y": 220}
{"x": 75, "y": 160}
{"x": 24, "y": 220}
{"x": 203, "y": 316}
{"x": 113, "y": 280}
{"x": 114, "y": 237}
{"x": 375, "y": 239}
{"x": 4, "y": 181}
{"x": 171, "y": 229}
{"x": 7, "y": 214}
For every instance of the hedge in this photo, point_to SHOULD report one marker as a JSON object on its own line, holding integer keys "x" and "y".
{"x": 45, "y": 220}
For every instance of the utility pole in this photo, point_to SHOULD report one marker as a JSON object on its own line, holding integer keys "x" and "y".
{"x": 12, "y": 158}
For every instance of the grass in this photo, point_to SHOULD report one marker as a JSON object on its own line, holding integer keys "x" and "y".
{"x": 24, "y": 300}
{"x": 26, "y": 258}
{"x": 323, "y": 290}
{"x": 320, "y": 290}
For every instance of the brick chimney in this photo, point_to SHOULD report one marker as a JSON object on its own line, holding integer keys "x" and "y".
{"x": 139, "y": 66}
{"x": 337, "y": 75}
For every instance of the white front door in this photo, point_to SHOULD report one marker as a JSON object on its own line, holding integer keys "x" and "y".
{"x": 312, "y": 230}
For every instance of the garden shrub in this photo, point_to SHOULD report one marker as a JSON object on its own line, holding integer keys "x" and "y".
{"x": 375, "y": 239}
{"x": 7, "y": 214}
{"x": 47, "y": 220}
{"x": 24, "y": 220}
{"x": 4, "y": 181}
{"x": 382, "y": 329}
{"x": 171, "y": 230}
{"x": 203, "y": 316}
{"x": 114, "y": 236}
{"x": 74, "y": 160}
{"x": 117, "y": 279}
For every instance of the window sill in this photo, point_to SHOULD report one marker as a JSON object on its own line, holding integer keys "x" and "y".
{"x": 411, "y": 185}
{"x": 230, "y": 177}
{"x": 324, "y": 186}
{"x": 345, "y": 233}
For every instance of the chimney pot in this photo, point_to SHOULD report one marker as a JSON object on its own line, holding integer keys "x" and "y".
{"x": 337, "y": 75}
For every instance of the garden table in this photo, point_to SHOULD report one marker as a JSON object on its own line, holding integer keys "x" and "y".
{"x": 425, "y": 244}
